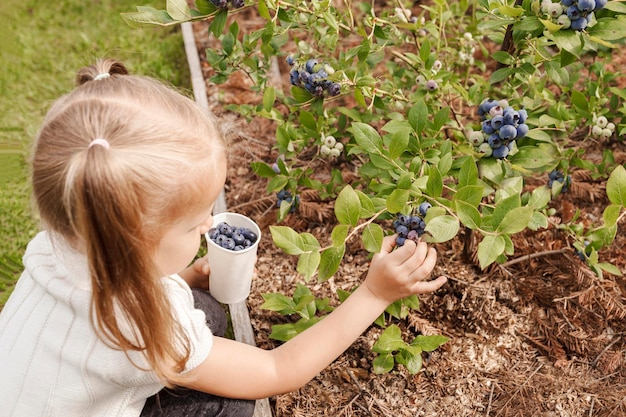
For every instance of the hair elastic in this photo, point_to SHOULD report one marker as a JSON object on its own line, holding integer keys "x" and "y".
{"x": 101, "y": 76}
{"x": 100, "y": 142}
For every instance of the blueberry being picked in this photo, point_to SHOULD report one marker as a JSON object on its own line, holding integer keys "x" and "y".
{"x": 232, "y": 237}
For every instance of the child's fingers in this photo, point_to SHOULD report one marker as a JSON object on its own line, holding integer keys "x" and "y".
{"x": 389, "y": 242}
{"x": 426, "y": 266}
{"x": 423, "y": 287}
{"x": 417, "y": 255}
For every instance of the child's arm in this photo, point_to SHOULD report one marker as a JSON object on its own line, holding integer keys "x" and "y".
{"x": 238, "y": 370}
{"x": 197, "y": 274}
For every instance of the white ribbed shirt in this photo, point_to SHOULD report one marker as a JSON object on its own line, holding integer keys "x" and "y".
{"x": 52, "y": 363}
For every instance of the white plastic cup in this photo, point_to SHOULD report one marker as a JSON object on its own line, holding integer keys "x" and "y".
{"x": 231, "y": 271}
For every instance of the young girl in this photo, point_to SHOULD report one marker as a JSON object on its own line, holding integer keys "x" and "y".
{"x": 125, "y": 173}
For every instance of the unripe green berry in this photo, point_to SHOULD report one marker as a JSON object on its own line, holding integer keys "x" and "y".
{"x": 611, "y": 126}
{"x": 596, "y": 131}
{"x": 339, "y": 146}
{"x": 606, "y": 133}
{"x": 324, "y": 150}
{"x": 555, "y": 10}
{"x": 485, "y": 149}
{"x": 335, "y": 152}
{"x": 564, "y": 21}
{"x": 476, "y": 137}
{"x": 330, "y": 141}
{"x": 602, "y": 122}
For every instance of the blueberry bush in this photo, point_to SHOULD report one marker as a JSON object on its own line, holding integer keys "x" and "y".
{"x": 447, "y": 109}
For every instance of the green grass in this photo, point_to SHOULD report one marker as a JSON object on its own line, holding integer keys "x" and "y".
{"x": 42, "y": 45}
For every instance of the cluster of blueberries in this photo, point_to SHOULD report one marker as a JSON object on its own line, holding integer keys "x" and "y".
{"x": 558, "y": 176}
{"x": 223, "y": 4}
{"x": 284, "y": 195}
{"x": 313, "y": 77}
{"x": 575, "y": 14}
{"x": 501, "y": 126}
{"x": 410, "y": 227}
{"x": 232, "y": 237}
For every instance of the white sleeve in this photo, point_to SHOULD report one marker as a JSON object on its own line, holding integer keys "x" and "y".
{"x": 192, "y": 320}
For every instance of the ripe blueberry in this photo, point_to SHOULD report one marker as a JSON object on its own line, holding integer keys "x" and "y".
{"x": 497, "y": 121}
{"x": 507, "y": 132}
{"x": 522, "y": 130}
{"x": 310, "y": 65}
{"x": 579, "y": 24}
{"x": 501, "y": 152}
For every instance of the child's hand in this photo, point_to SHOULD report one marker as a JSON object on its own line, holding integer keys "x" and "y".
{"x": 398, "y": 274}
{"x": 197, "y": 274}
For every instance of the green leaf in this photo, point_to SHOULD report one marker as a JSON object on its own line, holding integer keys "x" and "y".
{"x": 429, "y": 343}
{"x": 535, "y": 158}
{"x": 418, "y": 116}
{"x": 219, "y": 23}
{"x": 300, "y": 94}
{"x": 399, "y": 143}
{"x": 383, "y": 363}
{"x": 568, "y": 40}
{"x": 330, "y": 261}
{"x": 616, "y": 6}
{"x": 287, "y": 239}
{"x": 503, "y": 57}
{"x": 610, "y": 268}
{"x": 616, "y": 186}
{"x": 609, "y": 29}
{"x": 373, "y": 237}
{"x": 339, "y": 234}
{"x": 147, "y": 17}
{"x": 580, "y": 100}
{"x": 390, "y": 340}
{"x": 540, "y": 197}
{"x": 412, "y": 360}
{"x": 501, "y": 74}
{"x": 262, "y": 169}
{"x": 468, "y": 174}
{"x": 283, "y": 332}
{"x": 348, "y": 206}
{"x": 515, "y": 220}
{"x": 396, "y": 201}
{"x": 263, "y": 10}
{"x": 441, "y": 117}
{"x": 611, "y": 214}
{"x": 552, "y": 27}
{"x": 425, "y": 50}
{"x": 489, "y": 249}
{"x": 269, "y": 96}
{"x": 278, "y": 302}
{"x": 566, "y": 58}
{"x": 471, "y": 194}
{"x": 503, "y": 207}
{"x": 538, "y": 221}
{"x": 442, "y": 228}
{"x": 469, "y": 215}
{"x": 308, "y": 263}
{"x": 367, "y": 137}
{"x": 507, "y": 10}
{"x": 434, "y": 185}
{"x": 178, "y": 9}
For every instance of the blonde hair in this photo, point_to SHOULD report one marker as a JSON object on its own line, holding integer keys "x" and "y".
{"x": 114, "y": 201}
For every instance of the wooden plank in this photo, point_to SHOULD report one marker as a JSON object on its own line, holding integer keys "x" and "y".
{"x": 240, "y": 316}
